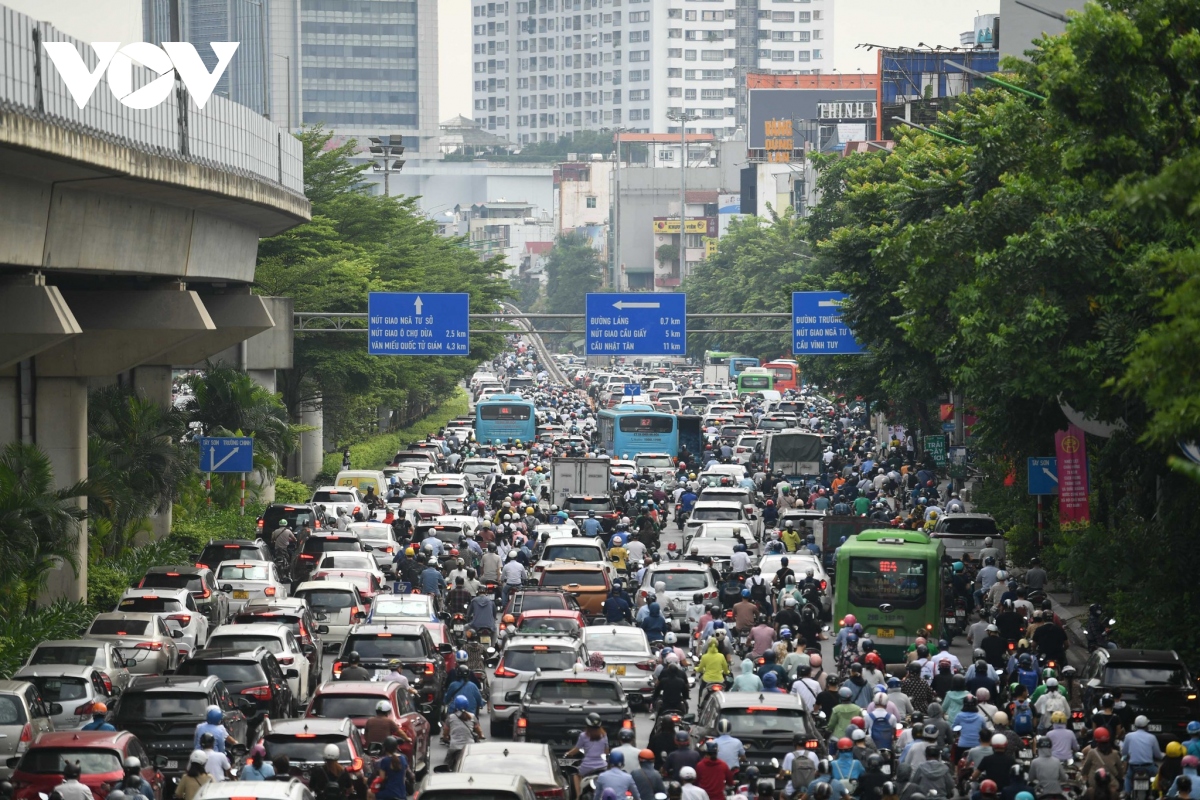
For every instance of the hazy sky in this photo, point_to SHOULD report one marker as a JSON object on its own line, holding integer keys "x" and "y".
{"x": 882, "y": 22}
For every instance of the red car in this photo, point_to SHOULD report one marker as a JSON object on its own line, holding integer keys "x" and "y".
{"x": 357, "y": 700}
{"x": 100, "y": 754}
{"x": 550, "y": 621}
{"x": 441, "y": 635}
{"x": 424, "y": 507}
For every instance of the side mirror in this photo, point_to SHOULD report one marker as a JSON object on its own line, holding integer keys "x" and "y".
{"x": 322, "y": 630}
{"x": 237, "y": 750}
{"x": 445, "y": 648}
{"x": 443, "y": 769}
{"x": 291, "y": 672}
{"x": 361, "y": 615}
{"x": 512, "y": 697}
{"x": 375, "y": 748}
{"x": 176, "y": 634}
{"x": 690, "y": 719}
{"x": 307, "y": 649}
{"x": 227, "y": 587}
{"x": 426, "y": 710}
{"x": 55, "y": 709}
{"x": 245, "y": 704}
{"x": 160, "y": 762}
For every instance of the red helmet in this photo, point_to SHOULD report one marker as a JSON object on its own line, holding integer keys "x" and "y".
{"x": 770, "y": 502}
{"x": 858, "y": 722}
{"x": 849, "y": 620}
{"x": 874, "y": 660}
{"x": 1102, "y": 735}
{"x": 988, "y": 787}
{"x": 844, "y": 743}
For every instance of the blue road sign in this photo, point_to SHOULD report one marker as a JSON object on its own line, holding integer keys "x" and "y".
{"x": 418, "y": 324}
{"x": 1043, "y": 475}
{"x": 633, "y": 390}
{"x": 948, "y": 427}
{"x": 817, "y": 327}
{"x": 226, "y": 454}
{"x": 639, "y": 324}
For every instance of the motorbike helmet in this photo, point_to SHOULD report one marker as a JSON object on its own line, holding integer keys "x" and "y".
{"x": 999, "y": 741}
{"x": 988, "y": 787}
{"x": 874, "y": 762}
{"x": 724, "y": 726}
{"x": 383, "y": 707}
{"x": 132, "y": 765}
{"x": 1174, "y": 749}
{"x": 1101, "y": 734}
{"x": 214, "y": 715}
{"x": 1140, "y": 722}
{"x": 1000, "y": 718}
{"x": 461, "y": 703}
{"x": 845, "y": 693}
{"x": 858, "y": 722}
{"x": 207, "y": 741}
{"x": 845, "y": 743}
{"x": 198, "y": 757}
{"x": 593, "y": 720}
{"x": 331, "y": 753}
{"x": 1193, "y": 728}
{"x": 687, "y": 774}
{"x": 625, "y": 735}
{"x": 616, "y": 758}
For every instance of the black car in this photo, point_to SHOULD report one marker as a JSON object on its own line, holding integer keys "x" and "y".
{"x": 293, "y": 515}
{"x": 1155, "y": 683}
{"x": 315, "y": 547}
{"x": 767, "y": 725}
{"x": 577, "y": 507}
{"x": 555, "y": 707}
{"x": 255, "y": 674}
{"x": 163, "y": 713}
{"x": 199, "y": 580}
{"x": 422, "y": 661}
{"x": 218, "y": 550}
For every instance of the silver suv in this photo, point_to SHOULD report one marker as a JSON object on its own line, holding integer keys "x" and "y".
{"x": 683, "y": 580}
{"x": 519, "y": 661}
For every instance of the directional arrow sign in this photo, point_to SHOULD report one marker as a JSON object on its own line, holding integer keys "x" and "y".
{"x": 1043, "y": 475}
{"x": 425, "y": 324}
{"x": 817, "y": 327}
{"x": 636, "y": 324}
{"x": 226, "y": 454}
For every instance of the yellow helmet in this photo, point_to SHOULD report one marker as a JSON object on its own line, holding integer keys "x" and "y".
{"x": 1059, "y": 718}
{"x": 691, "y": 476}
{"x": 1174, "y": 749}
{"x": 408, "y": 551}
{"x": 529, "y": 510}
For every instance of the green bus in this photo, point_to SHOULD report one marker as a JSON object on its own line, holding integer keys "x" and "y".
{"x": 755, "y": 379}
{"x": 891, "y": 581}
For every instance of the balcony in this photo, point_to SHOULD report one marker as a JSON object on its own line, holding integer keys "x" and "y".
{"x": 666, "y": 283}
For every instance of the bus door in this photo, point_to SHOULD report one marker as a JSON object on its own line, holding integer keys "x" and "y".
{"x": 691, "y": 436}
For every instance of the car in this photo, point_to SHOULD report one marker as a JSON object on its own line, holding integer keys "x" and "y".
{"x": 419, "y": 508}
{"x": 767, "y": 725}
{"x": 336, "y": 499}
{"x": 554, "y": 705}
{"x": 480, "y": 467}
{"x": 199, "y": 580}
{"x": 548, "y": 622}
{"x": 524, "y": 600}
{"x": 243, "y": 580}
{"x": 407, "y": 607}
{"x": 370, "y": 582}
{"x": 964, "y": 533}
{"x": 163, "y": 712}
{"x": 380, "y": 540}
{"x": 176, "y": 607}
{"x": 534, "y": 762}
{"x": 747, "y": 445}
{"x": 454, "y": 490}
{"x": 574, "y": 549}
{"x": 315, "y": 547}
{"x": 277, "y": 638}
{"x": 421, "y": 657}
{"x": 291, "y": 611}
{"x": 103, "y": 655}
{"x": 293, "y": 515}
{"x": 717, "y": 552}
{"x": 732, "y": 532}
{"x": 778, "y": 422}
{"x": 258, "y": 790}
{"x": 577, "y": 507}
{"x": 480, "y": 786}
{"x": 718, "y": 511}
{"x": 356, "y": 561}
{"x": 74, "y": 688}
{"x": 1155, "y": 683}
{"x": 800, "y": 563}
{"x": 589, "y": 584}
{"x": 24, "y": 715}
{"x": 303, "y": 741}
{"x": 101, "y": 757}
{"x": 520, "y": 660}
{"x": 255, "y": 674}
{"x": 337, "y": 605}
{"x": 628, "y": 656}
{"x": 144, "y": 640}
{"x": 682, "y": 579}
{"x": 747, "y": 498}
{"x": 358, "y": 701}
{"x": 218, "y": 550}
{"x": 661, "y": 465}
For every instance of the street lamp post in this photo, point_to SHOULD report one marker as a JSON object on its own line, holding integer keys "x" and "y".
{"x": 617, "y": 217}
{"x": 683, "y": 118}
{"x": 385, "y": 147}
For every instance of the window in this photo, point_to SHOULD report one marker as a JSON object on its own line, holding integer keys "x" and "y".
{"x": 817, "y": 15}
{"x": 691, "y": 35}
{"x": 672, "y": 33}
{"x": 712, "y": 94}
{"x": 764, "y": 53}
{"x": 689, "y": 94}
{"x": 639, "y": 55}
{"x": 666, "y": 155}
{"x": 782, "y": 55}
{"x": 689, "y": 55}
{"x": 591, "y": 202}
{"x": 816, "y": 35}
{"x": 781, "y": 36}
{"x": 639, "y": 16}
{"x": 690, "y": 16}
{"x": 712, "y": 55}
{"x": 673, "y": 52}
{"x": 898, "y": 581}
{"x": 674, "y": 13}
{"x": 672, "y": 72}
{"x": 804, "y": 16}
{"x": 712, "y": 16}
{"x": 816, "y": 54}
{"x": 635, "y": 115}
{"x": 783, "y": 16}
{"x": 674, "y": 91}
{"x": 802, "y": 55}
{"x": 802, "y": 36}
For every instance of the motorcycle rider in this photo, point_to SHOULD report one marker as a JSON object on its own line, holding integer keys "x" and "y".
{"x": 1140, "y": 750}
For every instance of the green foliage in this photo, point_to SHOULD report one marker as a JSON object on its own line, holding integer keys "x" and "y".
{"x": 289, "y": 491}
{"x": 226, "y": 402}
{"x": 583, "y": 143}
{"x": 667, "y": 254}
{"x": 378, "y": 450}
{"x": 573, "y": 269}
{"x": 20, "y": 633}
{"x": 192, "y": 527}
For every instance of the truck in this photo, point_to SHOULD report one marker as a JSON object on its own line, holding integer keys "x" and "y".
{"x": 795, "y": 453}
{"x": 578, "y": 476}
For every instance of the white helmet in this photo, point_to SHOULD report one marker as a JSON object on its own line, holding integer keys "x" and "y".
{"x": 332, "y": 753}
{"x": 512, "y": 554}
{"x": 687, "y": 774}
{"x": 198, "y": 757}
{"x": 987, "y": 541}
{"x": 1001, "y": 575}
{"x": 383, "y": 707}
{"x": 670, "y": 638}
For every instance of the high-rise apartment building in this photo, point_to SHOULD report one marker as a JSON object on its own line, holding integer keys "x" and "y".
{"x": 545, "y": 68}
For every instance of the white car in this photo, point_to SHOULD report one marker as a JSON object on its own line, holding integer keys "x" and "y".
{"x": 103, "y": 655}
{"x": 144, "y": 640}
{"x": 336, "y": 604}
{"x": 277, "y": 638}
{"x": 244, "y": 580}
{"x": 715, "y": 511}
{"x": 480, "y": 468}
{"x": 743, "y": 451}
{"x": 452, "y": 489}
{"x": 660, "y": 465}
{"x": 380, "y": 538}
{"x": 336, "y": 498}
{"x": 683, "y": 579}
{"x": 178, "y": 610}
{"x": 726, "y": 531}
{"x": 628, "y": 657}
{"x": 799, "y": 563}
{"x": 575, "y": 548}
{"x": 75, "y": 688}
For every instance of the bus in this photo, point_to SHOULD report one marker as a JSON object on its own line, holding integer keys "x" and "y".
{"x": 739, "y": 364}
{"x": 755, "y": 379}
{"x": 891, "y": 581}
{"x": 503, "y": 417}
{"x": 634, "y": 428}
{"x": 787, "y": 374}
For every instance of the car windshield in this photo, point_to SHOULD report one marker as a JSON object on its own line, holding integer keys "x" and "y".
{"x": 325, "y": 496}
{"x": 898, "y": 581}
{"x": 216, "y": 553}
{"x": 539, "y": 602}
{"x": 228, "y": 671}
{"x": 572, "y": 552}
{"x": 971, "y": 526}
{"x": 293, "y": 518}
{"x": 347, "y": 561}
{"x": 547, "y": 658}
{"x": 402, "y": 606}
{"x": 172, "y": 580}
{"x": 80, "y": 656}
{"x": 596, "y": 504}
{"x": 386, "y": 646}
{"x": 654, "y": 462}
{"x": 771, "y": 424}
{"x": 141, "y": 706}
{"x": 1145, "y": 675}
{"x": 529, "y": 765}
{"x": 549, "y": 625}
{"x": 150, "y": 604}
{"x": 243, "y": 572}
{"x": 574, "y": 689}
{"x": 717, "y": 514}
{"x": 443, "y": 489}
{"x": 373, "y": 532}
{"x": 679, "y": 580}
{"x": 616, "y": 641}
{"x": 765, "y": 721}
{"x": 308, "y": 748}
{"x": 720, "y": 532}
{"x": 50, "y": 761}
{"x": 473, "y": 794}
{"x": 324, "y": 600}
{"x": 330, "y": 544}
{"x": 567, "y": 577}
{"x": 59, "y": 690}
{"x": 119, "y": 627}
{"x": 338, "y": 706}
{"x": 242, "y": 643}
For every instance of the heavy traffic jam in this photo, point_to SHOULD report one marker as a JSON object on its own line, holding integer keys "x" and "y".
{"x": 645, "y": 578}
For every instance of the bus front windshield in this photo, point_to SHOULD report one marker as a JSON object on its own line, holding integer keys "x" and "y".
{"x": 898, "y": 581}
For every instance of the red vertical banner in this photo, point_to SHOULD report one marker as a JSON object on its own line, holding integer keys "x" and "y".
{"x": 1071, "y": 449}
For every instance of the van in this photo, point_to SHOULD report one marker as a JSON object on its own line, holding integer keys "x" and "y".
{"x": 362, "y": 478}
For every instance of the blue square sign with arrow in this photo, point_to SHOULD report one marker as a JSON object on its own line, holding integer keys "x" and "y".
{"x": 226, "y": 454}
{"x": 418, "y": 323}
{"x": 1043, "y": 475}
{"x": 637, "y": 324}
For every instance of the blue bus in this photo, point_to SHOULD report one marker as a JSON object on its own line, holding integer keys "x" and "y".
{"x": 633, "y": 428}
{"x": 738, "y": 364}
{"x": 503, "y": 417}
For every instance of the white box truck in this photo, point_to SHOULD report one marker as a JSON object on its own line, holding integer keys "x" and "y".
{"x": 586, "y": 476}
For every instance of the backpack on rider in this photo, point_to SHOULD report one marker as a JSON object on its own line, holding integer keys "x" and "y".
{"x": 1022, "y": 720}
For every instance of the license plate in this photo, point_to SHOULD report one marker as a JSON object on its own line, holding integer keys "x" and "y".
{"x": 1141, "y": 786}
{"x": 885, "y": 633}
{"x": 1027, "y": 754}
{"x": 1154, "y": 727}
{"x": 619, "y": 669}
{"x": 1077, "y": 725}
{"x": 241, "y": 594}
{"x": 172, "y": 765}
{"x": 950, "y": 620}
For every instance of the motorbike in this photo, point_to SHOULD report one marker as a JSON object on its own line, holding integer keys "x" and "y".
{"x": 458, "y": 628}
{"x": 1140, "y": 782}
{"x": 1099, "y": 629}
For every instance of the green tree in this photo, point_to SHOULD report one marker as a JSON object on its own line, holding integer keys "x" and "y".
{"x": 228, "y": 402}
{"x": 573, "y": 269}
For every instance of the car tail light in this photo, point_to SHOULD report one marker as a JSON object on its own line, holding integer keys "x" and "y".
{"x": 148, "y": 646}
{"x": 503, "y": 671}
{"x": 269, "y": 591}
{"x": 207, "y": 593}
{"x": 286, "y": 660}
{"x": 710, "y": 595}
{"x": 260, "y": 524}
{"x": 648, "y": 666}
{"x": 107, "y": 682}
{"x": 201, "y": 566}
{"x": 258, "y": 692}
{"x": 522, "y": 723}
{"x": 429, "y": 670}
{"x": 307, "y": 556}
{"x": 550, "y": 794}
{"x": 26, "y": 738}
{"x": 811, "y": 744}
{"x": 627, "y": 724}
{"x": 356, "y": 765}
{"x": 337, "y": 667}
{"x": 83, "y": 710}
{"x": 182, "y": 619}
{"x": 823, "y": 585}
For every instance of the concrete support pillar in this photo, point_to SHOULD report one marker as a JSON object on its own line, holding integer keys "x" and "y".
{"x": 384, "y": 417}
{"x": 264, "y": 378}
{"x": 312, "y": 414}
{"x": 61, "y": 431}
{"x": 153, "y": 383}
{"x": 10, "y": 408}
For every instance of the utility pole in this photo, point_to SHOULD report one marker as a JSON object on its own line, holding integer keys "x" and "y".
{"x": 616, "y": 267}
{"x": 387, "y": 146}
{"x": 683, "y": 118}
